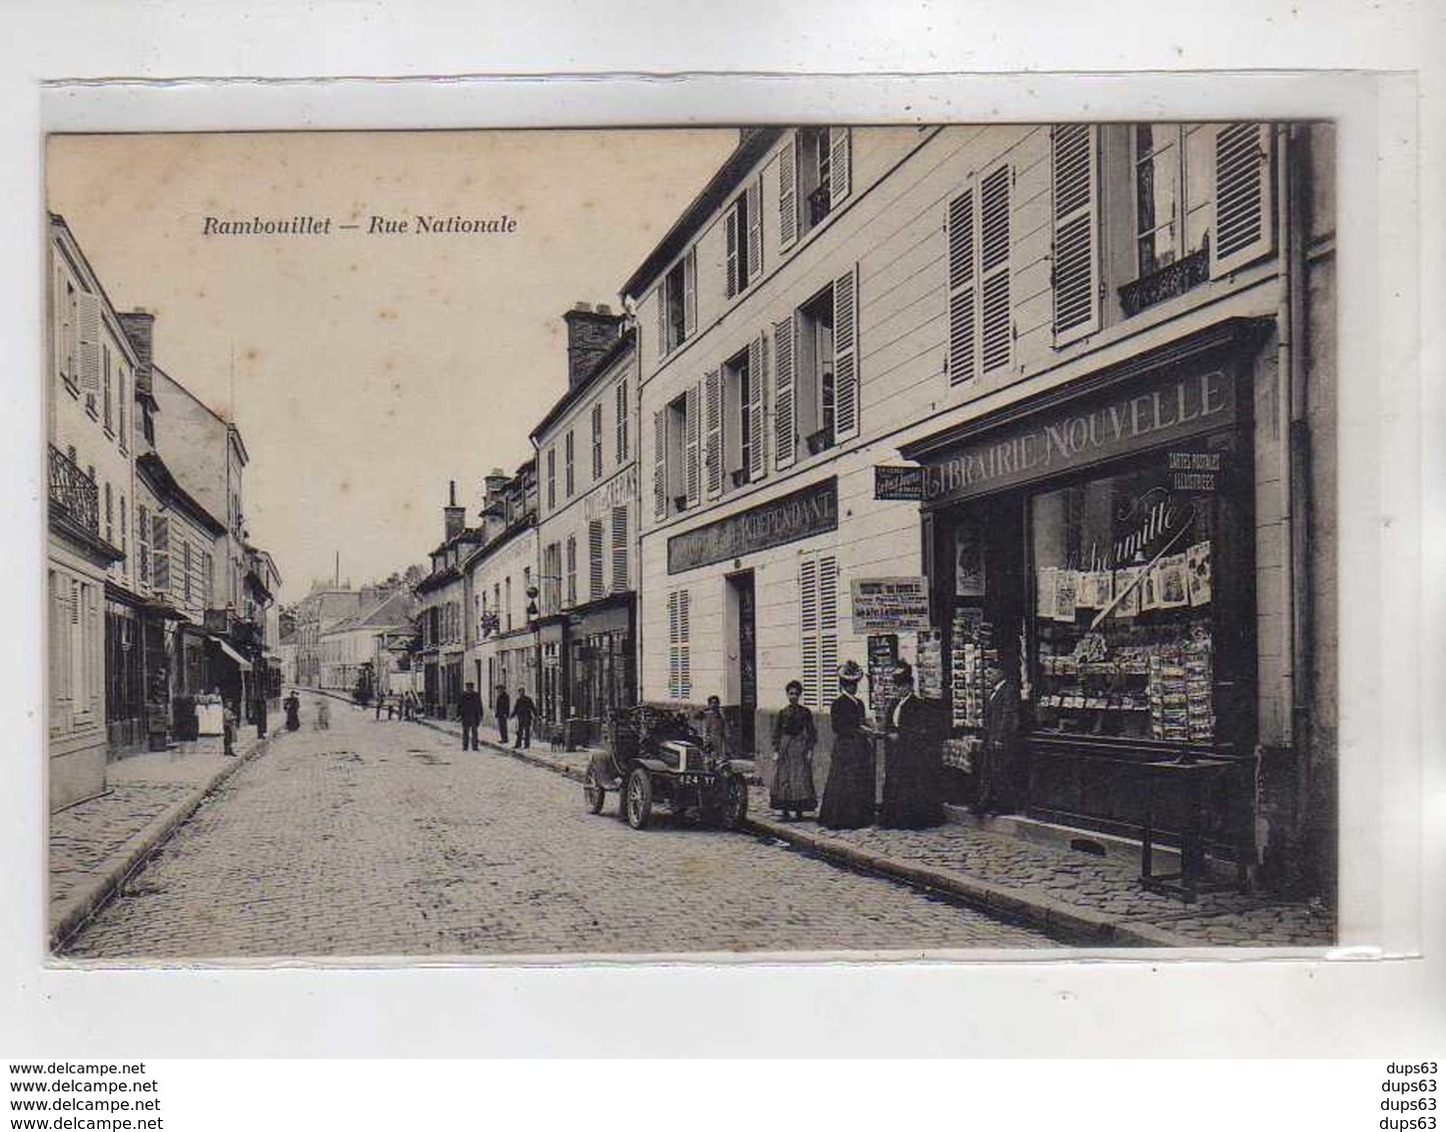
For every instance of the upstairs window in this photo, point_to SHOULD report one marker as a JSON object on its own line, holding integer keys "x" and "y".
{"x": 815, "y": 175}
{"x": 743, "y": 228}
{"x": 816, "y": 380}
{"x": 571, "y": 599}
{"x": 677, "y": 475}
{"x": 734, "y": 421}
{"x": 552, "y": 478}
{"x": 1074, "y": 268}
{"x": 1202, "y": 206}
{"x": 677, "y": 304}
{"x": 569, "y": 473}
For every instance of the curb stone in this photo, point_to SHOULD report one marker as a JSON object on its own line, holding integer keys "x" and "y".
{"x": 139, "y": 851}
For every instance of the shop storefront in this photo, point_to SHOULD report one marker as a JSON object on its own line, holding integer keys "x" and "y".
{"x": 1098, "y": 547}
{"x": 600, "y": 665}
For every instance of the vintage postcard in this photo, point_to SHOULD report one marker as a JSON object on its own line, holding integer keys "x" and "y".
{"x": 452, "y": 534}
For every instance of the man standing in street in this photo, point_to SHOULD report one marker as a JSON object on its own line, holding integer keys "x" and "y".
{"x": 503, "y": 707}
{"x": 998, "y": 767}
{"x": 523, "y": 711}
{"x": 469, "y": 711}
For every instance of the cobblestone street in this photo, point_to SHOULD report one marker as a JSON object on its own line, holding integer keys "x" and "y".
{"x": 384, "y": 838}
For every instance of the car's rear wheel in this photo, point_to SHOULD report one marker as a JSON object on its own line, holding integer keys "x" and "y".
{"x": 592, "y": 790}
{"x": 639, "y": 798}
{"x": 735, "y": 801}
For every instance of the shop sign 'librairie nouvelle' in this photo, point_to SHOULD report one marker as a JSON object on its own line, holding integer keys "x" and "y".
{"x": 809, "y": 511}
{"x": 1080, "y": 435}
{"x": 890, "y": 605}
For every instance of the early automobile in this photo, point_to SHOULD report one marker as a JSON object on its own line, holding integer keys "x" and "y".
{"x": 653, "y": 756}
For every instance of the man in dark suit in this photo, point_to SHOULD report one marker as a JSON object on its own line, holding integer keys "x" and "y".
{"x": 503, "y": 708}
{"x": 523, "y": 711}
{"x": 998, "y": 766}
{"x": 469, "y": 711}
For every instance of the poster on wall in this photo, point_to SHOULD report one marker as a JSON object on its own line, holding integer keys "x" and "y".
{"x": 883, "y": 658}
{"x": 890, "y": 605}
{"x": 1171, "y": 573}
{"x": 1197, "y": 571}
{"x": 929, "y": 665}
{"x": 968, "y": 561}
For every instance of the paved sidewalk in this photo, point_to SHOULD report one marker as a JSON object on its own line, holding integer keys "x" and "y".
{"x": 96, "y": 845}
{"x": 1075, "y": 896}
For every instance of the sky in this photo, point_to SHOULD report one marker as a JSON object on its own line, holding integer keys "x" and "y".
{"x": 367, "y": 370}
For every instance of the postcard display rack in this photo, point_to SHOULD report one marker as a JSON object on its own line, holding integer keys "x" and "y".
{"x": 971, "y": 652}
{"x": 1128, "y": 652}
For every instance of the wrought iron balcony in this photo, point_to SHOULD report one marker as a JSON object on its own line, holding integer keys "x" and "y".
{"x": 75, "y": 491}
{"x": 1166, "y": 283}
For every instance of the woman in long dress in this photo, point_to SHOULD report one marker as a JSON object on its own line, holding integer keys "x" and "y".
{"x": 912, "y": 765}
{"x": 848, "y": 796}
{"x": 794, "y": 738}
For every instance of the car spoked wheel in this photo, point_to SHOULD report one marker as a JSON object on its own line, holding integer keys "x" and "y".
{"x": 735, "y": 802}
{"x": 592, "y": 790}
{"x": 639, "y": 798}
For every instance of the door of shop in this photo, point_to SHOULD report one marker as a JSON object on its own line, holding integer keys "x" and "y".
{"x": 745, "y": 652}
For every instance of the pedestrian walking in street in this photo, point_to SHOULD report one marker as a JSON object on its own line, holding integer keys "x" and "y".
{"x": 912, "y": 767}
{"x": 998, "y": 766}
{"x": 323, "y": 714}
{"x": 848, "y": 796}
{"x": 292, "y": 707}
{"x": 469, "y": 711}
{"x": 228, "y": 730}
{"x": 794, "y": 738}
{"x": 523, "y": 710}
{"x": 715, "y": 730}
{"x": 503, "y": 708}
{"x": 258, "y": 709}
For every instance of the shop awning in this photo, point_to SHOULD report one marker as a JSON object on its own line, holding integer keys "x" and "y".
{"x": 241, "y": 661}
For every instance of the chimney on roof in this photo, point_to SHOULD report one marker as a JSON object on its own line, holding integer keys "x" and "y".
{"x": 454, "y": 518}
{"x": 590, "y": 334}
{"x": 140, "y": 328}
{"x": 493, "y": 485}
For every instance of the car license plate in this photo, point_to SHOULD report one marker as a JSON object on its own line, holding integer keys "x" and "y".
{"x": 689, "y": 779}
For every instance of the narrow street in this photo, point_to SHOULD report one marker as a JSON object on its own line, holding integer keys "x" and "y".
{"x": 384, "y": 838}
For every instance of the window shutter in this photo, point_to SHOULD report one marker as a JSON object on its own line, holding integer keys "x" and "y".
{"x": 660, "y": 300}
{"x": 788, "y": 194}
{"x": 143, "y": 543}
{"x": 571, "y": 595}
{"x": 840, "y": 175}
{"x": 622, "y": 435}
{"x": 690, "y": 292}
{"x": 827, "y": 629}
{"x": 846, "y": 355}
{"x": 620, "y": 549}
{"x": 808, "y": 627}
{"x": 1243, "y": 219}
{"x": 88, "y": 307}
{"x": 997, "y": 337}
{"x": 755, "y": 228}
{"x": 674, "y": 651}
{"x": 690, "y": 447}
{"x": 757, "y": 409}
{"x": 730, "y": 271}
{"x": 596, "y": 586}
{"x": 660, "y": 465}
{"x": 161, "y": 552}
{"x": 963, "y": 316}
{"x": 1076, "y": 261}
{"x": 713, "y": 433}
{"x": 597, "y": 441}
{"x": 685, "y": 667}
{"x": 785, "y": 443}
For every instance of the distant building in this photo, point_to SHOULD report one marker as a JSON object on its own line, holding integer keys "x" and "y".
{"x": 587, "y": 523}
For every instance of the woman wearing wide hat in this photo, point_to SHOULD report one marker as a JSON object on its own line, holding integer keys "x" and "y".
{"x": 848, "y": 796}
{"x": 911, "y": 765}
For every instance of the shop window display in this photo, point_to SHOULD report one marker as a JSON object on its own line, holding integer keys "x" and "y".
{"x": 1124, "y": 616}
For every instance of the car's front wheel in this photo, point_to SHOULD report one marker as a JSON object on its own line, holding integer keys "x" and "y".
{"x": 735, "y": 801}
{"x": 639, "y": 798}
{"x": 592, "y": 790}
